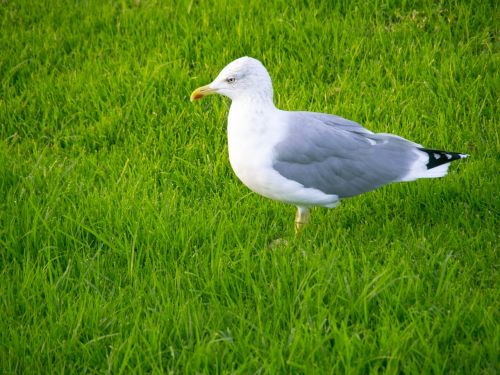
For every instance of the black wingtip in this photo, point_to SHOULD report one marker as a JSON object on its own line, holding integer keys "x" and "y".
{"x": 438, "y": 157}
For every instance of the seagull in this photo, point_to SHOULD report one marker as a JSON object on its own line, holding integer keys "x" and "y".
{"x": 310, "y": 159}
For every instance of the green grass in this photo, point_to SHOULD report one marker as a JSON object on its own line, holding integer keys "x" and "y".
{"x": 128, "y": 245}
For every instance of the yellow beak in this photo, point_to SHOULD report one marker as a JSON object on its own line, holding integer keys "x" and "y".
{"x": 202, "y": 91}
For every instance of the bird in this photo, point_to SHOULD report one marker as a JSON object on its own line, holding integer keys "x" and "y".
{"x": 310, "y": 159}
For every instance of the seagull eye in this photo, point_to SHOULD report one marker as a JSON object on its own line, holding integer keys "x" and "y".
{"x": 230, "y": 80}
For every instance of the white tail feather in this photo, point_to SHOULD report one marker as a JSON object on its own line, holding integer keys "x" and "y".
{"x": 419, "y": 168}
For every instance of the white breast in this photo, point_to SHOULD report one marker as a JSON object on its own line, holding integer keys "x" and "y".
{"x": 252, "y": 135}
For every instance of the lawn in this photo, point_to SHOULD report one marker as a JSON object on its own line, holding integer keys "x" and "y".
{"x": 127, "y": 245}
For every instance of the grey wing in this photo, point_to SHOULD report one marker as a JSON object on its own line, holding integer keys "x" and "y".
{"x": 327, "y": 119}
{"x": 340, "y": 160}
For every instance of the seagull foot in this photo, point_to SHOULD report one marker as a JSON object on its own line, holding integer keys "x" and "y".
{"x": 302, "y": 218}
{"x": 279, "y": 242}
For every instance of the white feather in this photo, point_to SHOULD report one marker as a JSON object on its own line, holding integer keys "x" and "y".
{"x": 419, "y": 168}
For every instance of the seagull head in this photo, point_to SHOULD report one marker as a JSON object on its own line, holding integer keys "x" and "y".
{"x": 244, "y": 78}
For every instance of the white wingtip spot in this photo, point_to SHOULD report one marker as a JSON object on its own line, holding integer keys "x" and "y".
{"x": 437, "y": 156}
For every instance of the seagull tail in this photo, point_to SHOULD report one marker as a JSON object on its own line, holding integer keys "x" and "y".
{"x": 432, "y": 164}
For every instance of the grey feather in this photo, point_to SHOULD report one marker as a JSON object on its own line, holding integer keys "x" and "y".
{"x": 328, "y": 119}
{"x": 339, "y": 156}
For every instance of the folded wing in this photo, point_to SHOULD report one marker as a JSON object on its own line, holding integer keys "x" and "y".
{"x": 338, "y": 156}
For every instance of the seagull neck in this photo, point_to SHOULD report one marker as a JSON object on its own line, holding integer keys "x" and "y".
{"x": 254, "y": 102}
